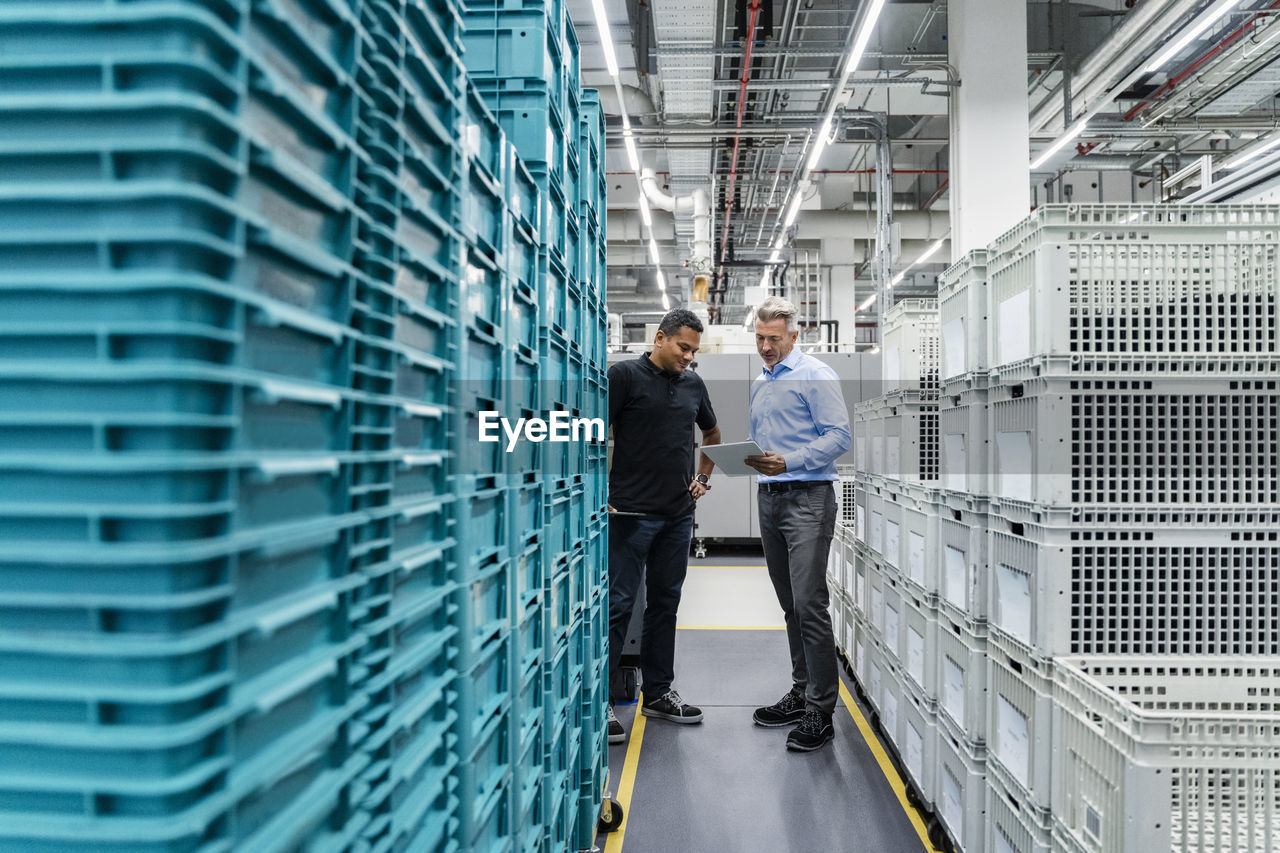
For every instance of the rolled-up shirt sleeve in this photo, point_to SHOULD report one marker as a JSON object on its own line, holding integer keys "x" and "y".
{"x": 830, "y": 421}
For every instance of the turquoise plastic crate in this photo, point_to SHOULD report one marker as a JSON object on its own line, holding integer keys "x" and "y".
{"x": 523, "y": 193}
{"x": 518, "y": 45}
{"x": 482, "y": 138}
{"x": 486, "y": 789}
{"x": 558, "y": 606}
{"x": 528, "y": 700}
{"x": 565, "y": 519}
{"x": 529, "y": 569}
{"x": 531, "y": 113}
{"x": 529, "y": 793}
{"x": 485, "y": 607}
{"x": 526, "y": 516}
{"x": 559, "y": 300}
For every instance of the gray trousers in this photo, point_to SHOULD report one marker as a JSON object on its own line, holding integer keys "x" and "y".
{"x": 796, "y": 529}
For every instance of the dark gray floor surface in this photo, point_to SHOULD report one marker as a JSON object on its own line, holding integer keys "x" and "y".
{"x": 727, "y": 785}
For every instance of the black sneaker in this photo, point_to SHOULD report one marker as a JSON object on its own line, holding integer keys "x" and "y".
{"x": 617, "y": 734}
{"x": 669, "y": 706}
{"x": 789, "y": 709}
{"x": 814, "y": 732}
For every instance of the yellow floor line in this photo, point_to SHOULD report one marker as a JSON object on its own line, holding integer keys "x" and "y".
{"x": 761, "y": 567}
{"x": 627, "y": 782}
{"x": 731, "y": 627}
{"x": 886, "y": 766}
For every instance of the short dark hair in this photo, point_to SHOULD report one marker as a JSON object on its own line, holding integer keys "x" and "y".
{"x": 678, "y": 318}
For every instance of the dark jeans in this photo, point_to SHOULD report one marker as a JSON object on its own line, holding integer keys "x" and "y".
{"x": 658, "y": 550}
{"x": 796, "y": 529}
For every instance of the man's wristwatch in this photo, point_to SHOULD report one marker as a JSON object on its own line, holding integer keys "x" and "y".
{"x": 704, "y": 480}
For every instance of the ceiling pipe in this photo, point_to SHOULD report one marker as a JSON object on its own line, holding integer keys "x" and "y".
{"x": 754, "y": 8}
{"x": 699, "y": 205}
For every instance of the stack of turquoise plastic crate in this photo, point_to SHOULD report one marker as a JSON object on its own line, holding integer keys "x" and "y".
{"x": 523, "y": 58}
{"x": 261, "y": 587}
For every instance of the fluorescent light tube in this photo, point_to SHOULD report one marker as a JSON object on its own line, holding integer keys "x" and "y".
{"x": 1208, "y": 19}
{"x": 864, "y": 36}
{"x": 1061, "y": 142}
{"x": 929, "y": 252}
{"x": 867, "y": 303}
{"x": 792, "y": 211}
{"x": 666, "y": 303}
{"x": 819, "y": 143}
{"x": 653, "y": 252}
{"x": 606, "y": 37}
{"x": 897, "y": 279}
{"x": 633, "y": 159}
{"x": 773, "y": 257}
{"x": 1249, "y": 156}
{"x": 645, "y": 216}
{"x": 662, "y": 282}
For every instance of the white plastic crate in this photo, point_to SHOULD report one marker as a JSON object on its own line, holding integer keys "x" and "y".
{"x": 860, "y": 510}
{"x": 868, "y": 436}
{"x": 902, "y": 433}
{"x": 846, "y": 490}
{"x": 1160, "y": 286}
{"x": 1167, "y": 754}
{"x": 1019, "y": 720}
{"x": 909, "y": 352}
{"x": 1132, "y": 581}
{"x": 876, "y": 510}
{"x": 919, "y": 643}
{"x": 961, "y": 678}
{"x": 963, "y": 441}
{"x": 962, "y": 565}
{"x": 960, "y": 788}
{"x": 884, "y": 600}
{"x": 962, "y": 315}
{"x": 1013, "y": 826}
{"x": 916, "y": 740}
{"x": 917, "y": 519}
{"x": 1062, "y": 441}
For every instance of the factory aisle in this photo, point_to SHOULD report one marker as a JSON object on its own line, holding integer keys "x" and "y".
{"x": 728, "y": 785}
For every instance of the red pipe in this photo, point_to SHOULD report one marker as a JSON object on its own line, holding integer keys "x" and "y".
{"x": 737, "y": 133}
{"x": 1172, "y": 82}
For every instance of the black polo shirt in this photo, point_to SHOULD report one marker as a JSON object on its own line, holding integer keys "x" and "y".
{"x": 652, "y": 412}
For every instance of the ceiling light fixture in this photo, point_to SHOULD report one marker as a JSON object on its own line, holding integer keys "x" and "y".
{"x": 645, "y": 216}
{"x": 662, "y": 282}
{"x": 1208, "y": 19}
{"x": 1250, "y": 156}
{"x": 867, "y": 303}
{"x": 606, "y": 37}
{"x": 819, "y": 143}
{"x": 793, "y": 210}
{"x": 924, "y": 256}
{"x": 633, "y": 159}
{"x": 864, "y": 36}
{"x": 653, "y": 252}
{"x": 773, "y": 257}
{"x": 1061, "y": 142}
{"x": 666, "y": 303}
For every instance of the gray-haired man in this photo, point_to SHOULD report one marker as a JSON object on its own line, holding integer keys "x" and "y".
{"x": 798, "y": 417}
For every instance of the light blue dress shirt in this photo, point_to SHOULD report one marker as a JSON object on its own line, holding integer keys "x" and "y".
{"x": 797, "y": 411}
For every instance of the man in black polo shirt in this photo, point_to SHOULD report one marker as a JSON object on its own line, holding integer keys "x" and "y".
{"x": 653, "y": 404}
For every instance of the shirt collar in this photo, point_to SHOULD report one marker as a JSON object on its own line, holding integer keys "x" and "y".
{"x": 648, "y": 365}
{"x": 790, "y": 362}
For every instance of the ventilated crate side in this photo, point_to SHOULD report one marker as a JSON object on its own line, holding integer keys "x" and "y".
{"x": 961, "y": 681}
{"x": 1062, "y": 441}
{"x": 910, "y": 346}
{"x": 1167, "y": 753}
{"x": 962, "y": 310}
{"x": 1019, "y": 720}
{"x": 884, "y": 598}
{"x": 960, "y": 788}
{"x": 1181, "y": 282}
{"x": 919, "y": 635}
{"x": 963, "y": 442}
{"x": 917, "y": 542}
{"x": 917, "y": 740}
{"x": 962, "y": 564}
{"x": 1152, "y": 581}
{"x": 1013, "y": 825}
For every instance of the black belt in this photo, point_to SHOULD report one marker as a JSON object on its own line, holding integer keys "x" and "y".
{"x": 792, "y": 485}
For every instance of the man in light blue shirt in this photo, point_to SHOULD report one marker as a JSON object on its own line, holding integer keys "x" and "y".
{"x": 799, "y": 420}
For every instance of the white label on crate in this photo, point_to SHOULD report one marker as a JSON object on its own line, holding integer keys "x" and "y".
{"x": 953, "y": 690}
{"x": 953, "y": 348}
{"x": 877, "y": 454}
{"x": 1013, "y": 461}
{"x": 877, "y": 609}
{"x": 892, "y": 368}
{"x": 953, "y": 462}
{"x": 860, "y": 451}
{"x": 955, "y": 579}
{"x": 1013, "y": 740}
{"x": 859, "y": 581}
{"x": 1013, "y": 602}
{"x": 915, "y": 557}
{"x": 1015, "y": 328}
{"x": 952, "y": 803}
{"x": 915, "y": 655}
{"x": 891, "y": 627}
{"x": 877, "y": 532}
{"x": 861, "y": 522}
{"x": 889, "y": 713}
{"x": 891, "y": 543}
{"x": 915, "y": 753}
{"x": 893, "y": 458}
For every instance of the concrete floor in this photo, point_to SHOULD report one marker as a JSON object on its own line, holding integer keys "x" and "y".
{"x": 726, "y": 784}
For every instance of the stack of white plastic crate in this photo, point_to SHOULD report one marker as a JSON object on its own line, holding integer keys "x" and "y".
{"x": 1108, "y": 417}
{"x": 892, "y": 584}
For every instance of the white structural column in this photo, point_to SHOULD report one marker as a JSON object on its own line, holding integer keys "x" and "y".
{"x": 990, "y": 179}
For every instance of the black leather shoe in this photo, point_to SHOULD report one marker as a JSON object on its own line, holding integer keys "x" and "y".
{"x": 669, "y": 706}
{"x": 787, "y": 710}
{"x": 814, "y": 732}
